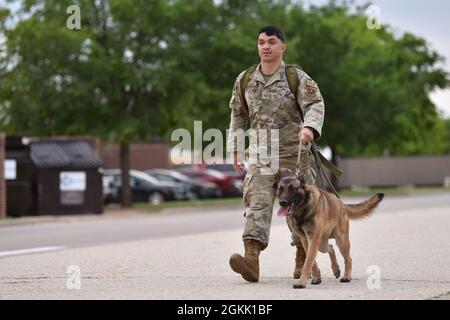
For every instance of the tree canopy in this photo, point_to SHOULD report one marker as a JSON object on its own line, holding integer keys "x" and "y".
{"x": 139, "y": 69}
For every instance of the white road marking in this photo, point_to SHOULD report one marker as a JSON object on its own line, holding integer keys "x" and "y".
{"x": 31, "y": 250}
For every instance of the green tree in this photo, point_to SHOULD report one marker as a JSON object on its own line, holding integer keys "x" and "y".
{"x": 375, "y": 85}
{"x": 138, "y": 69}
{"x": 104, "y": 79}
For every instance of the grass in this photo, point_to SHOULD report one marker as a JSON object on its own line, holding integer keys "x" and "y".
{"x": 184, "y": 204}
{"x": 394, "y": 191}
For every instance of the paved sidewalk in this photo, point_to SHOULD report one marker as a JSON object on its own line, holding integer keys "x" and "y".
{"x": 409, "y": 247}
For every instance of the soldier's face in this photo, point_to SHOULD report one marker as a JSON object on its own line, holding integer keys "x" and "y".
{"x": 270, "y": 48}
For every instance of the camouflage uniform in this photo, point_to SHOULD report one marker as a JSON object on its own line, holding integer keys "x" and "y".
{"x": 272, "y": 106}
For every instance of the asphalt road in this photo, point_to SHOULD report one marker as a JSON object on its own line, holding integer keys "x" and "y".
{"x": 402, "y": 250}
{"x": 84, "y": 231}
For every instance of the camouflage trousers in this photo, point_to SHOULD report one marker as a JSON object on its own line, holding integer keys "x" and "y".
{"x": 259, "y": 196}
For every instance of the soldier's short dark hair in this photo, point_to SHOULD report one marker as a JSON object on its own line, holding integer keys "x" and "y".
{"x": 272, "y": 31}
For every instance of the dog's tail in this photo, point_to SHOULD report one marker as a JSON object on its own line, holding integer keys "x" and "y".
{"x": 363, "y": 209}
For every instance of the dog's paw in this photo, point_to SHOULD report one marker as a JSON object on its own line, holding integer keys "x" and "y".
{"x": 316, "y": 281}
{"x": 337, "y": 273}
{"x": 299, "y": 285}
{"x": 346, "y": 279}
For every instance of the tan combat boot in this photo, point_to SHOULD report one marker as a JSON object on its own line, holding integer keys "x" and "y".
{"x": 247, "y": 266}
{"x": 300, "y": 258}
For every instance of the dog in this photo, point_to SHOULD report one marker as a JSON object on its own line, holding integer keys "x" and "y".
{"x": 317, "y": 216}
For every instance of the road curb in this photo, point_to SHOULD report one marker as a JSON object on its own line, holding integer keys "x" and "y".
{"x": 112, "y": 213}
{"x": 34, "y": 220}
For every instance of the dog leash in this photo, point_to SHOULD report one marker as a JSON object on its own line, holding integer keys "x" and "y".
{"x": 291, "y": 208}
{"x": 321, "y": 170}
{"x": 299, "y": 171}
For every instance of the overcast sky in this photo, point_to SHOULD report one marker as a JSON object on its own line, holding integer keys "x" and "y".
{"x": 429, "y": 19}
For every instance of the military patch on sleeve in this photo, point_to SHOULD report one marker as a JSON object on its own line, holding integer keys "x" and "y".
{"x": 311, "y": 83}
{"x": 310, "y": 91}
{"x": 311, "y": 88}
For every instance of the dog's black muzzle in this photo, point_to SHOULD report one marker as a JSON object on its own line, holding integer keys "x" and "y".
{"x": 284, "y": 203}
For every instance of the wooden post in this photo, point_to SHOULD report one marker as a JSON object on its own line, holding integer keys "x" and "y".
{"x": 2, "y": 176}
{"x": 127, "y": 201}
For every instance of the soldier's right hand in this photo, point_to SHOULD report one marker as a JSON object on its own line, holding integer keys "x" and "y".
{"x": 238, "y": 167}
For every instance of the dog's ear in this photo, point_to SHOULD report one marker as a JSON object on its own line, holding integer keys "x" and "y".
{"x": 283, "y": 172}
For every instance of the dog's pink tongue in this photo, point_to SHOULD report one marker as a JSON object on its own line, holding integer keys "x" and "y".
{"x": 283, "y": 212}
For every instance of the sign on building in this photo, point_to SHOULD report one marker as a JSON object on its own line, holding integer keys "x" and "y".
{"x": 72, "y": 186}
{"x": 10, "y": 169}
{"x": 72, "y": 181}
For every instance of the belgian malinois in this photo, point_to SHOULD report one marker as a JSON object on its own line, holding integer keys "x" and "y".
{"x": 317, "y": 216}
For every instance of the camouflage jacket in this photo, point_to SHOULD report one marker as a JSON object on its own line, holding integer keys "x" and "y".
{"x": 272, "y": 106}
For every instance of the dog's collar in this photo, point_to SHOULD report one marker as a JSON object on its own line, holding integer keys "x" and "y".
{"x": 291, "y": 208}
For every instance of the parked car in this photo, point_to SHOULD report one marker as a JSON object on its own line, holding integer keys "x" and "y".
{"x": 228, "y": 170}
{"x": 197, "y": 190}
{"x": 223, "y": 182}
{"x": 144, "y": 188}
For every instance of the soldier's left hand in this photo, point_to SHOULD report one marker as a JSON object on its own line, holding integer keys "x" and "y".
{"x": 306, "y": 135}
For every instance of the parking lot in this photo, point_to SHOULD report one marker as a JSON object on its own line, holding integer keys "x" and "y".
{"x": 180, "y": 183}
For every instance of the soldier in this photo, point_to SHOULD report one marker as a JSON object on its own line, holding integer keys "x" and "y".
{"x": 269, "y": 104}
